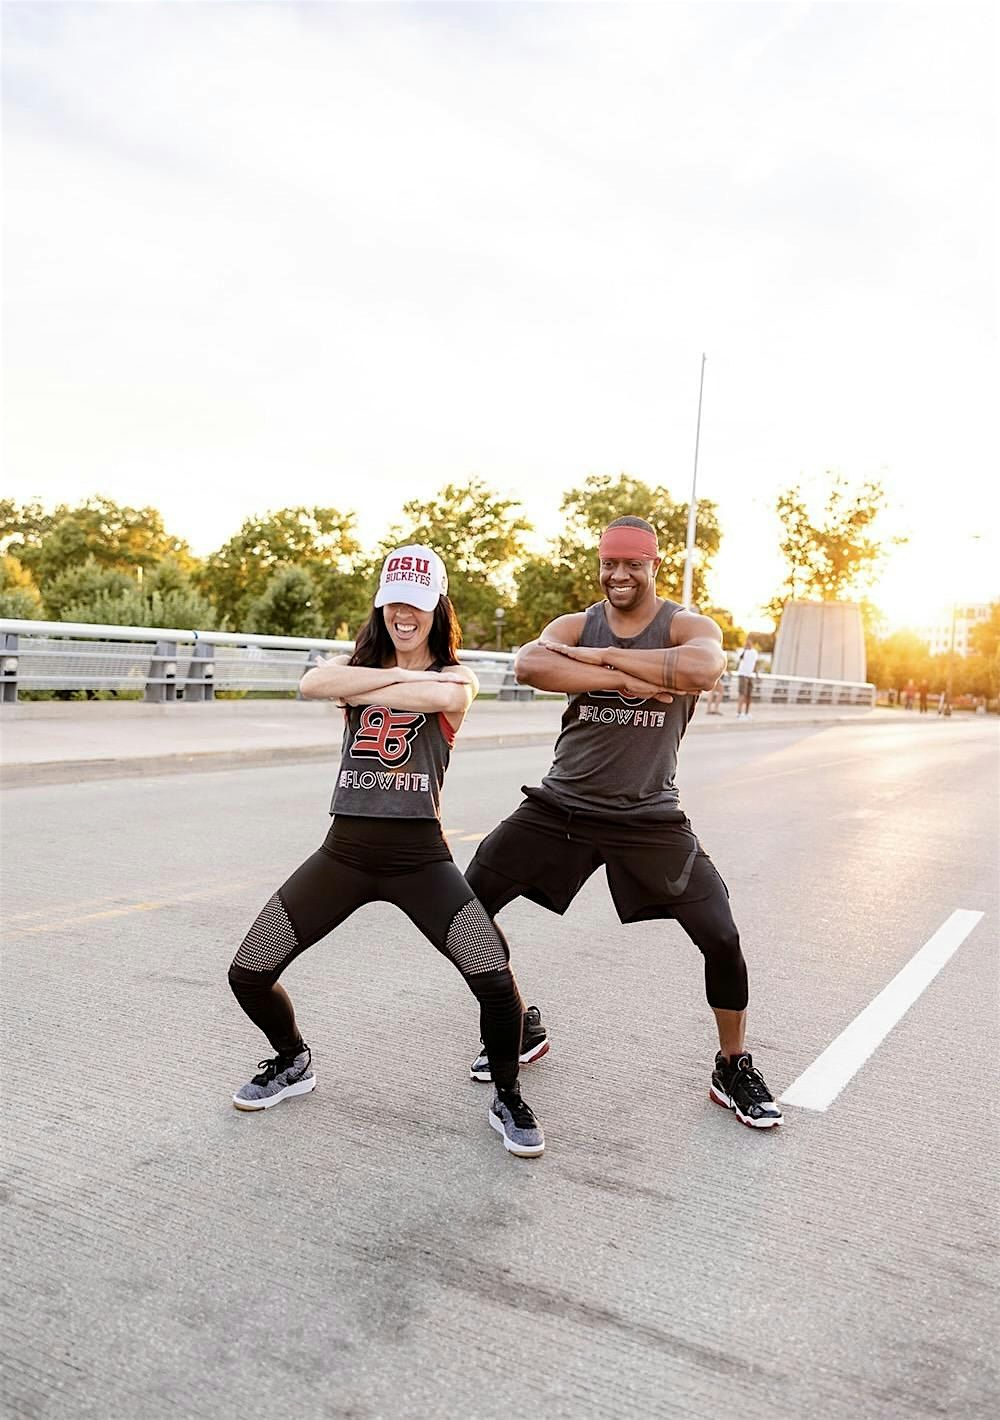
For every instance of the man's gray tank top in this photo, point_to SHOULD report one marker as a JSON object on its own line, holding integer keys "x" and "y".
{"x": 617, "y": 755}
{"x": 392, "y": 763}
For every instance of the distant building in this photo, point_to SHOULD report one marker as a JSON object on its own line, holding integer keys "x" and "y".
{"x": 938, "y": 634}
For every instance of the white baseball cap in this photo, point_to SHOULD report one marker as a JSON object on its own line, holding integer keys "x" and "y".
{"x": 415, "y": 575}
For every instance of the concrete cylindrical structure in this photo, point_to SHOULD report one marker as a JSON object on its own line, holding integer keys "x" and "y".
{"x": 821, "y": 639}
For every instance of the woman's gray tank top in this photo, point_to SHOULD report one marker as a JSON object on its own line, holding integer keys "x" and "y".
{"x": 393, "y": 763}
{"x": 617, "y": 756}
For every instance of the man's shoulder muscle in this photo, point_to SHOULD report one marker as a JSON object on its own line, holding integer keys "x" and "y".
{"x": 566, "y": 629}
{"x": 688, "y": 625}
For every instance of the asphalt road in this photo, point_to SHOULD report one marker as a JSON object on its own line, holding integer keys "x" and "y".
{"x": 369, "y": 1250}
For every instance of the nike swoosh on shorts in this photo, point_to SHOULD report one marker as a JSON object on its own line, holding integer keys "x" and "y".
{"x": 675, "y": 886}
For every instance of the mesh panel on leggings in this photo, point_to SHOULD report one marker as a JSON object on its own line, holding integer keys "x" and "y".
{"x": 270, "y": 941}
{"x": 473, "y": 942}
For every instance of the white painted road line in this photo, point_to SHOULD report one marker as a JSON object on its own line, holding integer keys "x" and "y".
{"x": 817, "y": 1087}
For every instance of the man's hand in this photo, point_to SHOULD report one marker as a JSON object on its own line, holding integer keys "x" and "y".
{"x": 631, "y": 685}
{"x": 641, "y": 689}
{"x": 589, "y": 655}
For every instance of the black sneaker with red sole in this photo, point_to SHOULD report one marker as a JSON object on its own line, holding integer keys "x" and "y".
{"x": 738, "y": 1086}
{"x": 534, "y": 1044}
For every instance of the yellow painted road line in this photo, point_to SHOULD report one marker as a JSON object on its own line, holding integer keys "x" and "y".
{"x": 113, "y": 898}
{"x": 127, "y": 909}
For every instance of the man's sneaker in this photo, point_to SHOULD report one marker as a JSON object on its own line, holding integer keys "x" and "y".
{"x": 736, "y": 1085}
{"x": 511, "y": 1117}
{"x": 534, "y": 1044}
{"x": 279, "y": 1079}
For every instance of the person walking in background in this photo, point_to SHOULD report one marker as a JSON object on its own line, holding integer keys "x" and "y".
{"x": 746, "y": 670}
{"x": 716, "y": 693}
{"x": 923, "y": 697}
{"x": 909, "y": 694}
{"x": 404, "y": 697}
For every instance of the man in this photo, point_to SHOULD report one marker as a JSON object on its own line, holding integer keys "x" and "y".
{"x": 632, "y": 667}
{"x": 746, "y": 669}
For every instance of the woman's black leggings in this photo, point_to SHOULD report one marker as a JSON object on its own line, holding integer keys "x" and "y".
{"x": 408, "y": 864}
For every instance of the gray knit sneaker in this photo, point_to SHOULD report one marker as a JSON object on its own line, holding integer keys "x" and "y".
{"x": 286, "y": 1075}
{"x": 511, "y": 1117}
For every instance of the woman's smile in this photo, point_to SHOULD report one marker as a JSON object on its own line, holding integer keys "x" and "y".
{"x": 407, "y": 625}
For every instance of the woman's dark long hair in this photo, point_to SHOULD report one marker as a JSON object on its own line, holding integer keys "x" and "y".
{"x": 374, "y": 645}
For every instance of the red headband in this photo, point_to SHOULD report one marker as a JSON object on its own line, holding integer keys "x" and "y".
{"x": 625, "y": 541}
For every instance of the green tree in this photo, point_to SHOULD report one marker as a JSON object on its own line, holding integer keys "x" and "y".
{"x": 480, "y": 536}
{"x": 287, "y": 606}
{"x": 983, "y": 671}
{"x": 733, "y": 636}
{"x": 893, "y": 660}
{"x": 547, "y": 587}
{"x": 20, "y": 599}
{"x": 835, "y": 556}
{"x": 24, "y": 522}
{"x": 319, "y": 541}
{"x": 566, "y": 579}
{"x": 170, "y": 575}
{"x": 101, "y": 595}
{"x": 113, "y": 535}
{"x": 180, "y": 608}
{"x": 80, "y": 585}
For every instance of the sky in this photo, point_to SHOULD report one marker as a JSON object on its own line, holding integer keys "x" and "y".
{"x": 259, "y": 255}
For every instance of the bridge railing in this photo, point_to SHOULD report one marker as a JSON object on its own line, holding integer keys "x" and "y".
{"x": 802, "y": 690}
{"x": 168, "y": 665}
{"x": 171, "y": 664}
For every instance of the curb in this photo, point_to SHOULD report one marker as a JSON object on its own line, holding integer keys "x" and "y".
{"x": 72, "y": 771}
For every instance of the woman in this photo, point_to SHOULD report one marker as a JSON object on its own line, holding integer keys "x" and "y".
{"x": 405, "y": 697}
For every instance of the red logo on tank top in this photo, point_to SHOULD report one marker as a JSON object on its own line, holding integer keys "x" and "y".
{"x": 386, "y": 735}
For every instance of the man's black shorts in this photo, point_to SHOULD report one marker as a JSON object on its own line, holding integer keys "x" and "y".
{"x": 546, "y": 853}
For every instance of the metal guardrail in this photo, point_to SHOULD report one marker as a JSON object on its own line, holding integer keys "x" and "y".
{"x": 800, "y": 690}
{"x": 170, "y": 665}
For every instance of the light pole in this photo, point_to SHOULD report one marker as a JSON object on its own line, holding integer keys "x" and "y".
{"x": 951, "y": 664}
{"x": 498, "y": 617}
{"x": 693, "y": 505}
